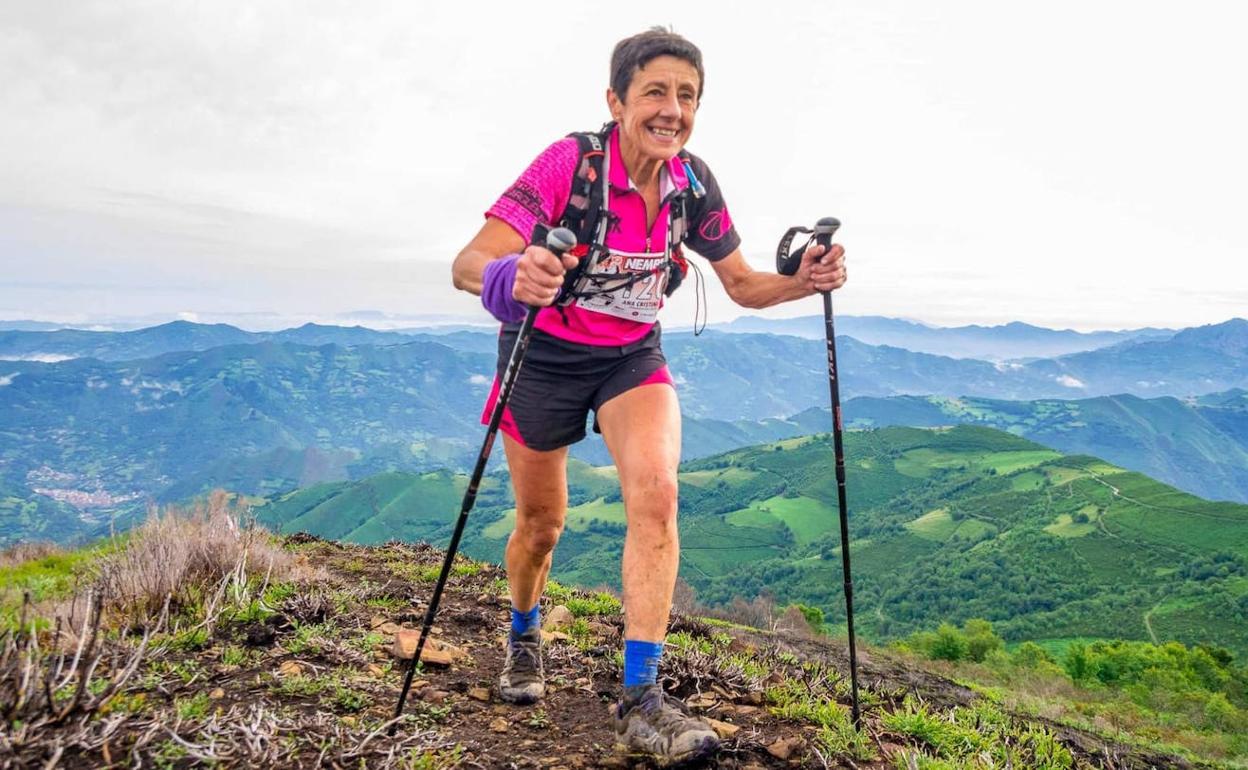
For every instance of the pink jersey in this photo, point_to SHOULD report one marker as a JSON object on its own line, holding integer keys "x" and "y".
{"x": 540, "y": 195}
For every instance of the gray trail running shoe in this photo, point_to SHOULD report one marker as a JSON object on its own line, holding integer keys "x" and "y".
{"x": 523, "y": 680}
{"x": 661, "y": 727}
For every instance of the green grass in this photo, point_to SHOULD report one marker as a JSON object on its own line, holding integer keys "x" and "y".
{"x": 50, "y": 577}
{"x": 805, "y": 517}
{"x": 1008, "y": 462}
{"x": 730, "y": 475}
{"x": 579, "y": 517}
{"x": 1065, "y": 526}
{"x": 1028, "y": 481}
{"x": 498, "y": 530}
{"x": 937, "y": 525}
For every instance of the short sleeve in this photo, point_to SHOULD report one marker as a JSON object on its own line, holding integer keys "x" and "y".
{"x": 711, "y": 232}
{"x": 540, "y": 195}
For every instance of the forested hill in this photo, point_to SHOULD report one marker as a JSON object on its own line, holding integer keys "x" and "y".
{"x": 947, "y": 524}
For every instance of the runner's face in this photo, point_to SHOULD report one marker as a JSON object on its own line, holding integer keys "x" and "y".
{"x": 656, "y": 116}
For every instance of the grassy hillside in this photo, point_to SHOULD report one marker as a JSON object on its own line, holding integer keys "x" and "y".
{"x": 207, "y": 643}
{"x": 948, "y": 524}
{"x": 1200, "y": 445}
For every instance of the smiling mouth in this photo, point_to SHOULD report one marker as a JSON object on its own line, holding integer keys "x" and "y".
{"x": 664, "y": 133}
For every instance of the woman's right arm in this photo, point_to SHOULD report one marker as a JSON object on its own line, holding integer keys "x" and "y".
{"x": 495, "y": 239}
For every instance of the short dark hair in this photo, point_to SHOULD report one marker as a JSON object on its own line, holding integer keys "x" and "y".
{"x": 633, "y": 53}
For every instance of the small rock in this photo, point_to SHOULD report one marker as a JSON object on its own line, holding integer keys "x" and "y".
{"x": 289, "y": 668}
{"x": 582, "y": 681}
{"x": 784, "y": 747}
{"x": 349, "y": 721}
{"x": 724, "y": 729}
{"x": 376, "y": 670}
{"x": 559, "y": 617}
{"x": 746, "y": 710}
{"x": 479, "y": 693}
{"x": 217, "y": 694}
{"x": 702, "y": 701}
{"x": 576, "y": 760}
{"x": 601, "y": 629}
{"x": 434, "y": 696}
{"x": 755, "y": 698}
{"x": 554, "y": 636}
{"x": 500, "y": 725}
{"x": 436, "y": 651}
{"x": 389, "y": 628}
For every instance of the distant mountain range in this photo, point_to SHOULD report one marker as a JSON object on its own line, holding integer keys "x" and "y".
{"x": 276, "y": 415}
{"x": 992, "y": 343}
{"x": 1010, "y": 341}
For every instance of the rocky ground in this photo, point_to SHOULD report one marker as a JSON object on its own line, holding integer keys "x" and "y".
{"x": 308, "y": 676}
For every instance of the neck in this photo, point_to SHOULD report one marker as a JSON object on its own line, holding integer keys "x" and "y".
{"x": 642, "y": 170}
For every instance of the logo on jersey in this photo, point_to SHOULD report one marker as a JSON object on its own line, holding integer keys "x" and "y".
{"x": 528, "y": 196}
{"x": 715, "y": 225}
{"x": 640, "y": 264}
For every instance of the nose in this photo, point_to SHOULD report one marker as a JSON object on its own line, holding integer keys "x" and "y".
{"x": 671, "y": 106}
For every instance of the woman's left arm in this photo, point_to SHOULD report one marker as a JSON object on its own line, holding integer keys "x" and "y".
{"x": 819, "y": 272}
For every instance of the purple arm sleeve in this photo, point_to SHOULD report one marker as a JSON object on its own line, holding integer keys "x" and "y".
{"x": 496, "y": 285}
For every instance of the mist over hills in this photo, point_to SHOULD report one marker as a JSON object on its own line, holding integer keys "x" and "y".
{"x": 994, "y": 343}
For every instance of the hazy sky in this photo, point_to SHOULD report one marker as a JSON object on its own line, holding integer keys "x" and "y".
{"x": 1072, "y": 164}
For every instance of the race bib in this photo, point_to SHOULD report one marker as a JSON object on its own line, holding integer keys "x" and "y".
{"x": 635, "y": 301}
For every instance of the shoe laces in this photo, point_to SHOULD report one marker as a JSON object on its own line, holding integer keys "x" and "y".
{"x": 525, "y": 655}
{"x": 666, "y": 711}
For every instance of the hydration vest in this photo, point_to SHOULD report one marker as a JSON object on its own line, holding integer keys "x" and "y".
{"x": 586, "y": 214}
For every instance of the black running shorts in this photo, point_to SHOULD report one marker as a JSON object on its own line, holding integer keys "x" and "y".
{"x": 561, "y": 381}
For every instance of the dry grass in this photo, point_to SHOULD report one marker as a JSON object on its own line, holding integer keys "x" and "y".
{"x": 17, "y": 555}
{"x": 213, "y": 545}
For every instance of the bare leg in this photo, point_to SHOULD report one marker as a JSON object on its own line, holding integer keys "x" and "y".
{"x": 642, "y": 430}
{"x": 539, "y": 481}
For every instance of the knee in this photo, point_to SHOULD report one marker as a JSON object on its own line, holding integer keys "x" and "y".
{"x": 537, "y": 537}
{"x": 652, "y": 500}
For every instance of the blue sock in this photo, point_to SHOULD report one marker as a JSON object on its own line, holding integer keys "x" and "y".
{"x": 641, "y": 663}
{"x": 523, "y": 621}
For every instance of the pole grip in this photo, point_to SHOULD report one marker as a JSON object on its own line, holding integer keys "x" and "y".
{"x": 824, "y": 230}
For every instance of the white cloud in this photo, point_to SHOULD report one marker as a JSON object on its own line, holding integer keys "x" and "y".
{"x": 7, "y": 379}
{"x": 479, "y": 379}
{"x": 230, "y": 157}
{"x": 1070, "y": 382}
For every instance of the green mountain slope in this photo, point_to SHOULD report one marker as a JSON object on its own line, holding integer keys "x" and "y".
{"x": 947, "y": 524}
{"x": 1200, "y": 446}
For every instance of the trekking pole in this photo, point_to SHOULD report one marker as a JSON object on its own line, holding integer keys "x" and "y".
{"x": 787, "y": 264}
{"x": 558, "y": 240}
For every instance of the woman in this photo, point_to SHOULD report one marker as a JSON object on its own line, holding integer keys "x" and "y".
{"x": 598, "y": 349}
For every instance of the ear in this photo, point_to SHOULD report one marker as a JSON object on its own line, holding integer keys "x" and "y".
{"x": 614, "y": 105}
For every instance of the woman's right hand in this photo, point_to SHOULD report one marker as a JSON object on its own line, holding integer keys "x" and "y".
{"x": 539, "y": 276}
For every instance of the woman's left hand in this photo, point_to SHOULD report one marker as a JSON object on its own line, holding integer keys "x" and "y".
{"x": 822, "y": 269}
